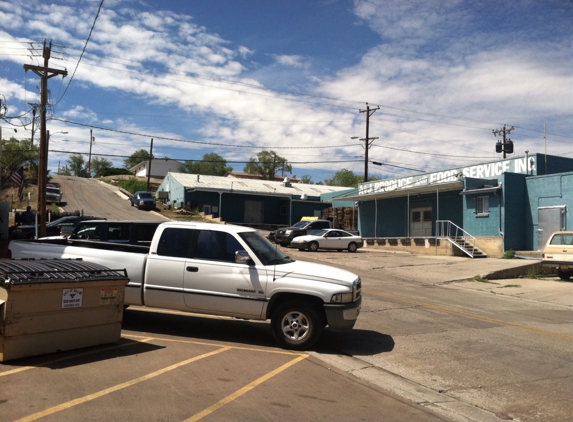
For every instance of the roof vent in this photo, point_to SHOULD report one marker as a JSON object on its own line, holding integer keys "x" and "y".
{"x": 286, "y": 183}
{"x": 303, "y": 197}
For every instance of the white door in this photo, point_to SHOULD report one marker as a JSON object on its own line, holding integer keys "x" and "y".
{"x": 421, "y": 222}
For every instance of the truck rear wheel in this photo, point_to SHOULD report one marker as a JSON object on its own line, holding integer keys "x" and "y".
{"x": 564, "y": 275}
{"x": 296, "y": 326}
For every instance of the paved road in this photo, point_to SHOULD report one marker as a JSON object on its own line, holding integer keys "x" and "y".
{"x": 99, "y": 199}
{"x": 484, "y": 351}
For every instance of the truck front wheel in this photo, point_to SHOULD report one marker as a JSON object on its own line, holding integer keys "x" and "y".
{"x": 296, "y": 326}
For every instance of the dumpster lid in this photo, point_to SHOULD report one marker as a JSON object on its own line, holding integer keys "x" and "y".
{"x": 28, "y": 271}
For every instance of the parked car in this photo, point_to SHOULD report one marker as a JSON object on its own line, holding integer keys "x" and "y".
{"x": 53, "y": 195}
{"x": 53, "y": 228}
{"x": 142, "y": 200}
{"x": 558, "y": 254}
{"x": 286, "y": 235}
{"x": 328, "y": 239}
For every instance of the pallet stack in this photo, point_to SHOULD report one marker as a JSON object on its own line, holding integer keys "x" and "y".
{"x": 342, "y": 217}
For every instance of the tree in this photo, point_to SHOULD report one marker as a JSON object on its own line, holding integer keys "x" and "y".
{"x": 306, "y": 179}
{"x": 99, "y": 165}
{"x": 76, "y": 165}
{"x": 17, "y": 153}
{"x": 268, "y": 164}
{"x": 136, "y": 158}
{"x": 345, "y": 178}
{"x": 212, "y": 164}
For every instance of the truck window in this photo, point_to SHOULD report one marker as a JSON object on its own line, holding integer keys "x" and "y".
{"x": 145, "y": 232}
{"x": 88, "y": 231}
{"x": 176, "y": 242}
{"x": 216, "y": 246}
{"x": 562, "y": 239}
{"x": 118, "y": 233}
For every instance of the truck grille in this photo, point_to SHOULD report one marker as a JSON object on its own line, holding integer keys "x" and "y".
{"x": 357, "y": 290}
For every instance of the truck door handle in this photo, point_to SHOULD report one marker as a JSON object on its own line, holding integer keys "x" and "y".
{"x": 192, "y": 269}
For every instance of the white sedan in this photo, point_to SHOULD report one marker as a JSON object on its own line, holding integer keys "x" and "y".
{"x": 328, "y": 239}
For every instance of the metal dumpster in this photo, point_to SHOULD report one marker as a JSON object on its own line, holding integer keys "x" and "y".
{"x": 52, "y": 305}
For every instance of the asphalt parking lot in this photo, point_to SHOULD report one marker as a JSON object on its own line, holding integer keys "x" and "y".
{"x": 171, "y": 366}
{"x": 397, "y": 362}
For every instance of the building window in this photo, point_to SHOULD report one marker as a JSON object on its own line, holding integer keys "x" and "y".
{"x": 482, "y": 205}
{"x": 283, "y": 210}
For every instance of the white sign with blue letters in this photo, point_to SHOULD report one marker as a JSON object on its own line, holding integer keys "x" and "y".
{"x": 478, "y": 171}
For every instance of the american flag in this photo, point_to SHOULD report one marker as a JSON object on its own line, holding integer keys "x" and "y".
{"x": 18, "y": 178}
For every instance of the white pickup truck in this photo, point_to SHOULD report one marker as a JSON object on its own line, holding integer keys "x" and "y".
{"x": 558, "y": 254}
{"x": 222, "y": 270}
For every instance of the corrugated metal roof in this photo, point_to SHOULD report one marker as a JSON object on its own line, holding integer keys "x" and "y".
{"x": 218, "y": 183}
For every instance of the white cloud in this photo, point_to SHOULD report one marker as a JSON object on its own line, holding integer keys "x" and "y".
{"x": 433, "y": 57}
{"x": 292, "y": 60}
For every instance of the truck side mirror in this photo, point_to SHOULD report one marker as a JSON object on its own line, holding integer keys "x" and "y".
{"x": 242, "y": 257}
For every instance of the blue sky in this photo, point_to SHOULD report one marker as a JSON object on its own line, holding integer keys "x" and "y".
{"x": 238, "y": 77}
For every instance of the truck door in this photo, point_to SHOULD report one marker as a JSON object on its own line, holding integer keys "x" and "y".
{"x": 215, "y": 283}
{"x": 165, "y": 269}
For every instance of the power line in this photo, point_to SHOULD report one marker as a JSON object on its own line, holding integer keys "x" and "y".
{"x": 81, "y": 55}
{"x": 199, "y": 142}
{"x": 202, "y": 161}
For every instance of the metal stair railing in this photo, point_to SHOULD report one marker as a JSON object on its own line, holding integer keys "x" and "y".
{"x": 445, "y": 229}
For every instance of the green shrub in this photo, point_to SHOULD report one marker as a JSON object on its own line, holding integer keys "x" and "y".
{"x": 509, "y": 254}
{"x": 132, "y": 185}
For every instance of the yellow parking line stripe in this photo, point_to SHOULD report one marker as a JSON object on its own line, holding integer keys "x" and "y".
{"x": 118, "y": 387}
{"x": 473, "y": 316}
{"x": 202, "y": 343}
{"x": 77, "y": 355}
{"x": 244, "y": 390}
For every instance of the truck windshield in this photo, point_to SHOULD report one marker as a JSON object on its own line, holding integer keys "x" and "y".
{"x": 301, "y": 224}
{"x": 268, "y": 253}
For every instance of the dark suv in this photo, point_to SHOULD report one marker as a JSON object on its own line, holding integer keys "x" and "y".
{"x": 285, "y": 235}
{"x": 52, "y": 229}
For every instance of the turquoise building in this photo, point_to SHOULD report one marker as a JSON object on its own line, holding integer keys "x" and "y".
{"x": 514, "y": 203}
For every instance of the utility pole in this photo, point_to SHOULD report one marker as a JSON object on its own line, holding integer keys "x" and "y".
{"x": 507, "y": 145}
{"x": 34, "y": 106}
{"x": 45, "y": 73}
{"x": 149, "y": 165}
{"x": 367, "y": 141}
{"x": 92, "y": 139}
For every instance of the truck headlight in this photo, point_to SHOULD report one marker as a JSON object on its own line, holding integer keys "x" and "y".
{"x": 342, "y": 298}
{"x": 288, "y": 232}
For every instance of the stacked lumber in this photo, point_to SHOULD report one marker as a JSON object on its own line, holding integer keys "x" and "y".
{"x": 342, "y": 217}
